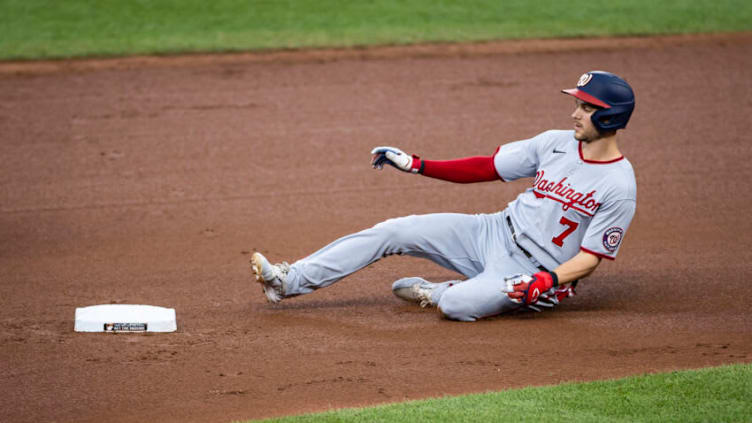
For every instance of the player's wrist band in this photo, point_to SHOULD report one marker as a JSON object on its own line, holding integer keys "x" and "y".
{"x": 555, "y": 278}
{"x": 421, "y": 164}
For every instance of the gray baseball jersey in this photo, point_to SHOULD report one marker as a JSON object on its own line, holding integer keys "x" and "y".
{"x": 574, "y": 204}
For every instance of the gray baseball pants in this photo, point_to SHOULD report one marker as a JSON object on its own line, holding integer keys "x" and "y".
{"x": 480, "y": 247}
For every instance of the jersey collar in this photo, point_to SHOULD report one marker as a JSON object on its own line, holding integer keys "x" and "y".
{"x": 579, "y": 148}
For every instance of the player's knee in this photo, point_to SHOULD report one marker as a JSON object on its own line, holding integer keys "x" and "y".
{"x": 396, "y": 231}
{"x": 453, "y": 307}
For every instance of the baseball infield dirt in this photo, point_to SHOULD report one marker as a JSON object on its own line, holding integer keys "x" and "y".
{"x": 151, "y": 180}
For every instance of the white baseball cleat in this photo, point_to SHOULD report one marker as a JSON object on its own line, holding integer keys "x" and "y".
{"x": 272, "y": 277}
{"x": 415, "y": 289}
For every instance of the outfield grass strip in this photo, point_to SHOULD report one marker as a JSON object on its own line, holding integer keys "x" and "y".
{"x": 719, "y": 394}
{"x": 37, "y": 29}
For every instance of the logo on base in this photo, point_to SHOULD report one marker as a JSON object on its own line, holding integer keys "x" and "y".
{"x": 125, "y": 327}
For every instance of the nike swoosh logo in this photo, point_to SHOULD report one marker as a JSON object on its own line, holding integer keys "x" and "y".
{"x": 559, "y": 151}
{"x": 536, "y": 293}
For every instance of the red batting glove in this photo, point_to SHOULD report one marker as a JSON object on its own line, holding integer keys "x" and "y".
{"x": 564, "y": 292}
{"x": 528, "y": 292}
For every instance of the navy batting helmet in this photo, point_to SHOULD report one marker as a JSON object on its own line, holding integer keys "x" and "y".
{"x": 609, "y": 92}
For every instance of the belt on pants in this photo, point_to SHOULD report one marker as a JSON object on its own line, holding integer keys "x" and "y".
{"x": 524, "y": 251}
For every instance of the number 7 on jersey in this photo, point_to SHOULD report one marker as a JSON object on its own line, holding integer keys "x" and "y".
{"x": 571, "y": 227}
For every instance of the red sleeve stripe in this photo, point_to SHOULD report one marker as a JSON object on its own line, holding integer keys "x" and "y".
{"x": 467, "y": 170}
{"x": 601, "y": 255}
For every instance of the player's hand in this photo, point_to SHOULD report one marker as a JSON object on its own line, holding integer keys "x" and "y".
{"x": 564, "y": 292}
{"x": 395, "y": 157}
{"x": 552, "y": 297}
{"x": 527, "y": 290}
{"x": 547, "y": 300}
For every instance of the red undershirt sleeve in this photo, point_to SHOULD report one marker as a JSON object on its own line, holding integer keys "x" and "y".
{"x": 464, "y": 171}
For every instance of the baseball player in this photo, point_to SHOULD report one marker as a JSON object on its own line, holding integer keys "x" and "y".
{"x": 531, "y": 254}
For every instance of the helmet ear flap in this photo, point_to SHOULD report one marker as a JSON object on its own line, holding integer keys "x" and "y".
{"x": 611, "y": 119}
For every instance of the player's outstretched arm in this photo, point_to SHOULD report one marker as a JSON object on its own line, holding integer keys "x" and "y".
{"x": 466, "y": 170}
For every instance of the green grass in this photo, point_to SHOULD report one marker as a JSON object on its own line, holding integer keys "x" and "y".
{"x": 33, "y": 29}
{"x": 722, "y": 394}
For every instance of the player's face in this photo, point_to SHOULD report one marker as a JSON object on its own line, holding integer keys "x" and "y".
{"x": 584, "y": 130}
